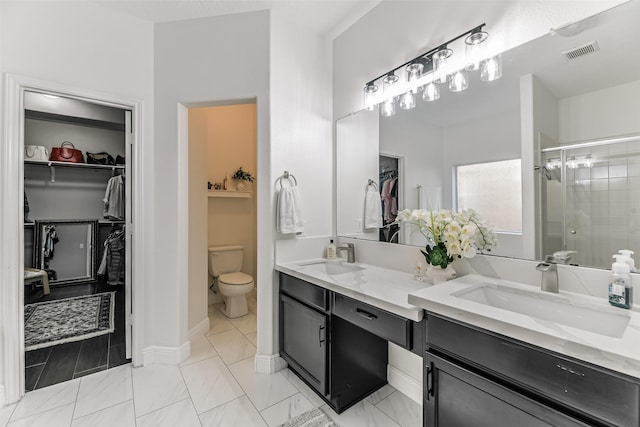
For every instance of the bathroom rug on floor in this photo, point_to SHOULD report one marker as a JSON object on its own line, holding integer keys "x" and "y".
{"x": 312, "y": 418}
{"x": 65, "y": 320}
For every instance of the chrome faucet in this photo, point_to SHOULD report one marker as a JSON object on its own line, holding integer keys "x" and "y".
{"x": 351, "y": 251}
{"x": 549, "y": 269}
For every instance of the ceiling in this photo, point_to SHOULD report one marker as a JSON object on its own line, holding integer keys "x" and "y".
{"x": 328, "y": 18}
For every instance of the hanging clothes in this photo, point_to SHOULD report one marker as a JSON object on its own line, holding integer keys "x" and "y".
{"x": 114, "y": 202}
{"x": 49, "y": 239}
{"x": 113, "y": 258}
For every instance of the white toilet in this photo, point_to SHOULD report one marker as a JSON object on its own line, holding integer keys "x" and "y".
{"x": 225, "y": 263}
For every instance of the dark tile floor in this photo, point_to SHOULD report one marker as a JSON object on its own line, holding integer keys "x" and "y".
{"x": 58, "y": 363}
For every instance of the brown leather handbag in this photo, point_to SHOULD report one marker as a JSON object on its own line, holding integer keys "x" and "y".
{"x": 66, "y": 153}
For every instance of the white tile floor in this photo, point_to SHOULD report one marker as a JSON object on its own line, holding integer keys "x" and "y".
{"x": 216, "y": 386}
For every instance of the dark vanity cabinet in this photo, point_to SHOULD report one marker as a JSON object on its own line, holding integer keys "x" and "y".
{"x": 337, "y": 345}
{"x": 476, "y": 377}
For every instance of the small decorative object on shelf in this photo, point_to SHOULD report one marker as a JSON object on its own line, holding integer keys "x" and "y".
{"x": 451, "y": 234}
{"x": 209, "y": 185}
{"x": 240, "y": 176}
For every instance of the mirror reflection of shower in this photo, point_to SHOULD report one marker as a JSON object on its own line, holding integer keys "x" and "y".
{"x": 591, "y": 198}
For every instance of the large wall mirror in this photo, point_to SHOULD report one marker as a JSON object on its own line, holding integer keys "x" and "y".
{"x": 549, "y": 154}
{"x": 67, "y": 250}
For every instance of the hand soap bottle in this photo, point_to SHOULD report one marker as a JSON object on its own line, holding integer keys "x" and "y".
{"x": 628, "y": 258}
{"x": 331, "y": 250}
{"x": 620, "y": 287}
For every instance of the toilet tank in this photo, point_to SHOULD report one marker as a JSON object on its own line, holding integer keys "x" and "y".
{"x": 225, "y": 259}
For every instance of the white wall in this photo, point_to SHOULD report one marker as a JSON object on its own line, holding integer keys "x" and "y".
{"x": 88, "y": 48}
{"x": 198, "y": 62}
{"x": 301, "y": 143}
{"x": 603, "y": 113}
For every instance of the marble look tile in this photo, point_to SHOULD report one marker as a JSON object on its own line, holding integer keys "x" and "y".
{"x": 238, "y": 412}
{"x": 380, "y": 395}
{"x": 5, "y": 414}
{"x": 156, "y": 386}
{"x": 402, "y": 409}
{"x": 103, "y": 390}
{"x": 245, "y": 324}
{"x": 210, "y": 384}
{"x": 201, "y": 349}
{"x": 252, "y": 337}
{"x": 218, "y": 322}
{"x": 57, "y": 417}
{"x": 180, "y": 414}
{"x": 121, "y": 415}
{"x": 315, "y": 400}
{"x": 232, "y": 346}
{"x": 362, "y": 414}
{"x": 46, "y": 398}
{"x": 284, "y": 411}
{"x": 264, "y": 390}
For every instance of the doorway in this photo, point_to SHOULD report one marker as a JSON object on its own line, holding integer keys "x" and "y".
{"x": 222, "y": 144}
{"x": 14, "y": 261}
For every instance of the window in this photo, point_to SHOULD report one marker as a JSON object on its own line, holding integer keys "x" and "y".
{"x": 494, "y": 190}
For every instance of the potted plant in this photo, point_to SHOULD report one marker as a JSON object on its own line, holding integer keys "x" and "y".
{"x": 240, "y": 176}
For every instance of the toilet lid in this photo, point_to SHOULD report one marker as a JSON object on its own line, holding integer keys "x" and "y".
{"x": 237, "y": 278}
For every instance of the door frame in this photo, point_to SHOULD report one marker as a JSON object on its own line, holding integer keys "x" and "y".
{"x": 12, "y": 357}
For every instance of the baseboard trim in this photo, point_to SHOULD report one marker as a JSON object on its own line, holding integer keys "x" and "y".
{"x": 199, "y": 330}
{"x": 269, "y": 363}
{"x": 405, "y": 384}
{"x": 156, "y": 354}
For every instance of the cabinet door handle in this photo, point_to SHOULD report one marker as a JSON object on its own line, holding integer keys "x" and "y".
{"x": 366, "y": 314}
{"x": 430, "y": 388}
{"x": 321, "y": 336}
{"x": 569, "y": 370}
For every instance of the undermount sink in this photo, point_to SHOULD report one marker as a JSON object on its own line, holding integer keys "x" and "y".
{"x": 331, "y": 267}
{"x": 549, "y": 308}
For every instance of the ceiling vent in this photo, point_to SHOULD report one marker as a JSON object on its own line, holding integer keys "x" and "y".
{"x": 585, "y": 49}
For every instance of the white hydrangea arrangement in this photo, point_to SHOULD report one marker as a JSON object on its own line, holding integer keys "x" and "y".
{"x": 454, "y": 234}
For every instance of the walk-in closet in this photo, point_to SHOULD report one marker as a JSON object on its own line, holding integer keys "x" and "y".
{"x": 389, "y": 194}
{"x": 76, "y": 251}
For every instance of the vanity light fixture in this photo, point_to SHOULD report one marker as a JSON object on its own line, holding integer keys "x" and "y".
{"x": 436, "y": 66}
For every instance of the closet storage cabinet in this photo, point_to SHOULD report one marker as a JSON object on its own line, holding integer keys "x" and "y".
{"x": 74, "y": 192}
{"x": 341, "y": 361}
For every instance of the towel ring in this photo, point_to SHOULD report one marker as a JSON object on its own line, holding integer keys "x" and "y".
{"x": 287, "y": 175}
{"x": 372, "y": 182}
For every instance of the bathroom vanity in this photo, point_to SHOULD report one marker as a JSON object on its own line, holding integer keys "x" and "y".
{"x": 332, "y": 339}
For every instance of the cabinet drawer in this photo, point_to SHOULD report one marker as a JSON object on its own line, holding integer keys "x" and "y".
{"x": 305, "y": 292}
{"x": 602, "y": 395}
{"x": 379, "y": 322}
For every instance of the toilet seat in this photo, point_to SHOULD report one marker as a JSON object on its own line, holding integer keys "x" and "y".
{"x": 237, "y": 278}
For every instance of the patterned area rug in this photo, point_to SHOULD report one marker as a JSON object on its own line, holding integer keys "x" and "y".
{"x": 65, "y": 320}
{"x": 312, "y": 418}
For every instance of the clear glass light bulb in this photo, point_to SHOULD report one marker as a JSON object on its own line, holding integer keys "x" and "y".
{"x": 572, "y": 164}
{"x": 387, "y": 108}
{"x": 458, "y": 81}
{"x": 370, "y": 91}
{"x": 407, "y": 100}
{"x": 588, "y": 161}
{"x": 431, "y": 92}
{"x": 491, "y": 69}
{"x": 414, "y": 72}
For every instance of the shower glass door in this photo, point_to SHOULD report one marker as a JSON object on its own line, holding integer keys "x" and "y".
{"x": 591, "y": 200}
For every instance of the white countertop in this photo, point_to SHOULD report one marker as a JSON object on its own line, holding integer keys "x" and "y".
{"x": 379, "y": 287}
{"x": 618, "y": 354}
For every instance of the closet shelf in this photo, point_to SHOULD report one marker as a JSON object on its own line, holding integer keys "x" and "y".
{"x": 230, "y": 193}
{"x": 73, "y": 165}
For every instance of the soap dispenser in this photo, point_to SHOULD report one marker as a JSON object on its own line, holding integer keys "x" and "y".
{"x": 620, "y": 287}
{"x": 331, "y": 250}
{"x": 628, "y": 258}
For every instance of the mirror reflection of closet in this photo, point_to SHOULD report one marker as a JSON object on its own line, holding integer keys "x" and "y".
{"x": 390, "y": 194}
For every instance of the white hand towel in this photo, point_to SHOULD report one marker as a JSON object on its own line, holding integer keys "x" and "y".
{"x": 289, "y": 211}
{"x": 372, "y": 209}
